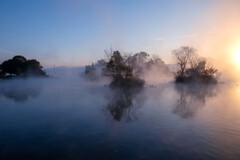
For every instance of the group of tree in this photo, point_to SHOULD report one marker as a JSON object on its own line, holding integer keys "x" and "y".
{"x": 124, "y": 70}
{"x": 19, "y": 66}
{"x": 94, "y": 71}
{"x": 132, "y": 70}
{"x": 192, "y": 68}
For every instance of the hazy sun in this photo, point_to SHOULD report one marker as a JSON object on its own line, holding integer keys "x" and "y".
{"x": 237, "y": 56}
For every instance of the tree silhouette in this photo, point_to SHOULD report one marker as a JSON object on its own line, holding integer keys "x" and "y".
{"x": 123, "y": 105}
{"x": 192, "y": 98}
{"x": 20, "y": 66}
{"x": 192, "y": 68}
{"x": 201, "y": 73}
{"x": 126, "y": 70}
{"x": 33, "y": 67}
{"x": 183, "y": 55}
{"x": 1, "y": 74}
{"x": 121, "y": 72}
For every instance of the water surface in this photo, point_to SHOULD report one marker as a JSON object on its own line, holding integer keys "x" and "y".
{"x": 73, "y": 119}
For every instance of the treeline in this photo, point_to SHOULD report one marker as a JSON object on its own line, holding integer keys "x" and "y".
{"x": 19, "y": 66}
{"x": 126, "y": 71}
{"x": 129, "y": 70}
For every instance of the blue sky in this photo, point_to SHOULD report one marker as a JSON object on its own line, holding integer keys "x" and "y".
{"x": 76, "y": 32}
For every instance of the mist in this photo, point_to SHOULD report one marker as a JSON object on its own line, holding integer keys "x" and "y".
{"x": 146, "y": 99}
{"x": 74, "y": 114}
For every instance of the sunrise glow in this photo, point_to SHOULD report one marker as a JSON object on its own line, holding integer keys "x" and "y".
{"x": 237, "y": 56}
{"x": 119, "y": 79}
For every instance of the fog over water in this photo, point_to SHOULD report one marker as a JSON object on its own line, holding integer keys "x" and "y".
{"x": 161, "y": 80}
{"x": 69, "y": 118}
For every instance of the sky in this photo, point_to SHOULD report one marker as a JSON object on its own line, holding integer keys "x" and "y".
{"x": 76, "y": 32}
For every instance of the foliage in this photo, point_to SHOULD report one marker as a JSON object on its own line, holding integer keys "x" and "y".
{"x": 201, "y": 73}
{"x": 20, "y": 66}
{"x": 121, "y": 72}
{"x": 192, "y": 68}
{"x": 157, "y": 63}
{"x": 137, "y": 62}
{"x": 94, "y": 71}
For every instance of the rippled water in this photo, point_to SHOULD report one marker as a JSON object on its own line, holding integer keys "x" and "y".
{"x": 72, "y": 119}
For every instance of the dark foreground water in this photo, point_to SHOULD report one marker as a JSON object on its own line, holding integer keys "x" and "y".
{"x": 70, "y": 119}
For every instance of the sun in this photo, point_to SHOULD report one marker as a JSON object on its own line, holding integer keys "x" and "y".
{"x": 237, "y": 56}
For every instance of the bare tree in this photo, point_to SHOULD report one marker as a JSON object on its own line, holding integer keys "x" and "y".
{"x": 194, "y": 60}
{"x": 108, "y": 53}
{"x": 183, "y": 56}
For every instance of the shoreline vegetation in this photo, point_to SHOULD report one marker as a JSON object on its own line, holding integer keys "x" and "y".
{"x": 126, "y": 71}
{"x": 192, "y": 68}
{"x": 20, "y": 67}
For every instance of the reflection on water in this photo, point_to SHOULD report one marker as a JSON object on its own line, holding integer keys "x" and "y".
{"x": 66, "y": 119}
{"x": 20, "y": 91}
{"x": 123, "y": 105}
{"x": 192, "y": 97}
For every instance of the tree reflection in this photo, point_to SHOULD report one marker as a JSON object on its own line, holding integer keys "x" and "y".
{"x": 123, "y": 105}
{"x": 19, "y": 93}
{"x": 192, "y": 97}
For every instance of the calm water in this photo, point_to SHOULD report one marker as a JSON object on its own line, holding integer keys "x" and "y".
{"x": 71, "y": 119}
